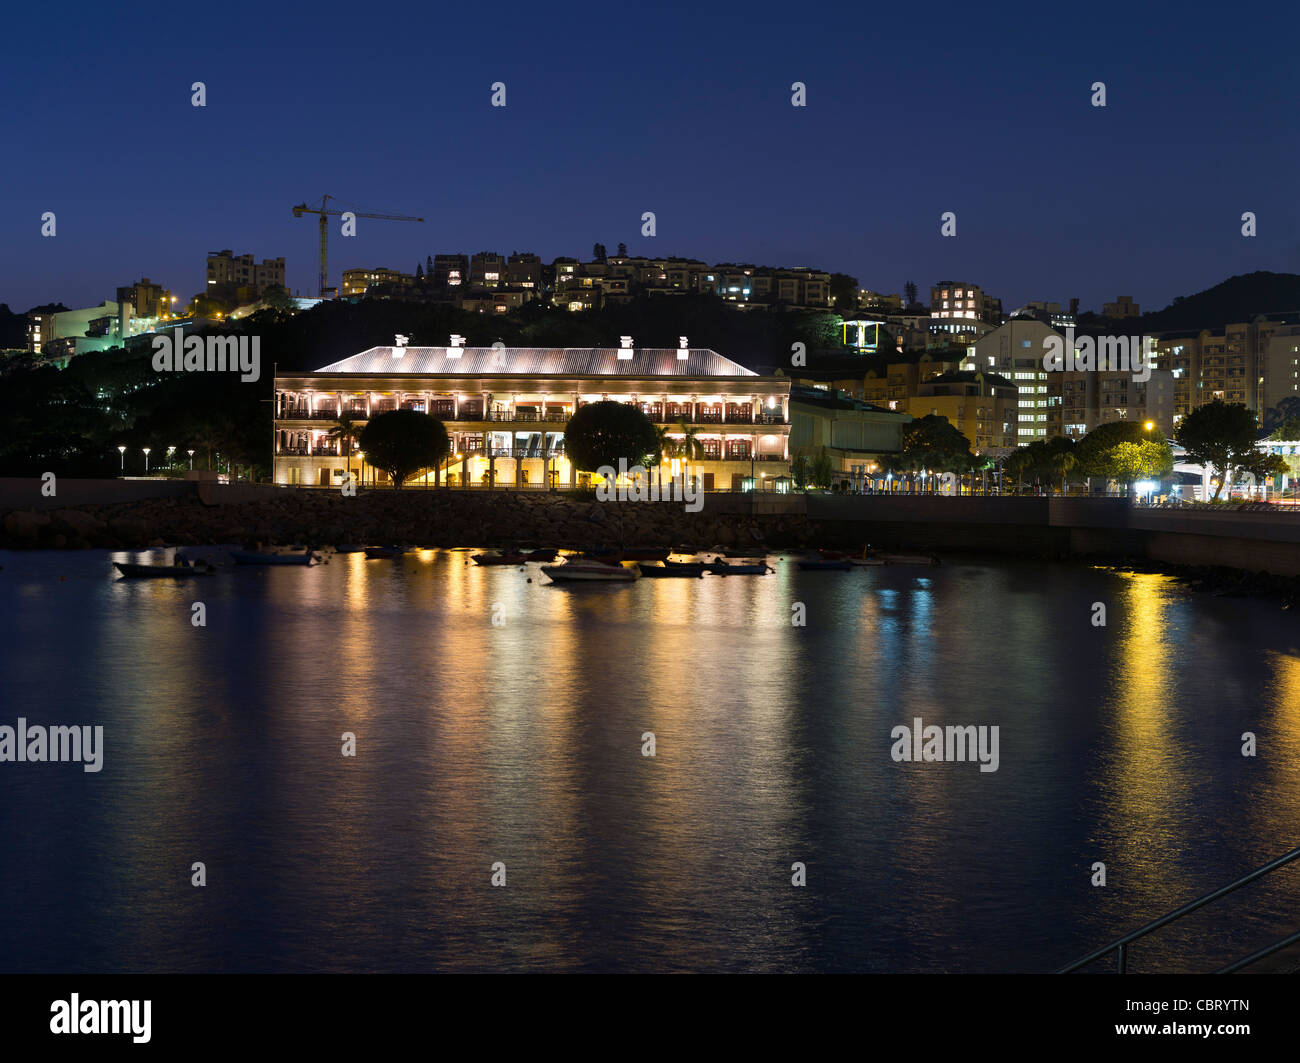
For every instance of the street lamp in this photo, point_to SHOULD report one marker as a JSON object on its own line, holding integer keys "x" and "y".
{"x": 146, "y": 459}
{"x": 1149, "y": 425}
{"x": 122, "y": 451}
{"x": 191, "y": 454}
{"x": 170, "y": 452}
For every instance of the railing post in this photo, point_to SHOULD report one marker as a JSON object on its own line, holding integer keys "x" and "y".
{"x": 1123, "y": 959}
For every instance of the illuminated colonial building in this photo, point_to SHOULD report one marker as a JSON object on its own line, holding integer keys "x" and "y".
{"x": 505, "y": 409}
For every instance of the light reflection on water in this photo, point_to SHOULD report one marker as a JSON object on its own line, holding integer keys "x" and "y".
{"x": 522, "y": 743}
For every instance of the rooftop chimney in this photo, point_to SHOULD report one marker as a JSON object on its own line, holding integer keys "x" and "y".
{"x": 683, "y": 349}
{"x": 625, "y": 350}
{"x": 457, "y": 342}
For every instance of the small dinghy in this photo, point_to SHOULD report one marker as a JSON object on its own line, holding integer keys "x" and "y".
{"x": 500, "y": 559}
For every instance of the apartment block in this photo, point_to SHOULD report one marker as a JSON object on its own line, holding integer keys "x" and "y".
{"x": 984, "y": 407}
{"x": 227, "y": 272}
{"x": 358, "y": 281}
{"x": 1122, "y": 307}
{"x": 965, "y": 302}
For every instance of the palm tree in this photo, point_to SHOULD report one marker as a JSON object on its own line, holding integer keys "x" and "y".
{"x": 345, "y": 432}
{"x": 666, "y": 448}
{"x": 1062, "y": 462}
{"x": 690, "y": 447}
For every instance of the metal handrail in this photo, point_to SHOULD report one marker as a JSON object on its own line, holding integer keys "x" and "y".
{"x": 1121, "y": 944}
{"x": 1268, "y": 950}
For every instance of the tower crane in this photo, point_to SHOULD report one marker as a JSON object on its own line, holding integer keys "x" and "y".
{"x": 326, "y": 212}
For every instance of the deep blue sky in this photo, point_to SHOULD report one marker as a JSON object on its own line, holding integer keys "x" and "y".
{"x": 680, "y": 108}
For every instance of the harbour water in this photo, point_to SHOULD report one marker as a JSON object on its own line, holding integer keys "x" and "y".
{"x": 521, "y": 743}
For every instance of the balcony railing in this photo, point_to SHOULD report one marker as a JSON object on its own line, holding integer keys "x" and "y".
{"x": 506, "y": 416}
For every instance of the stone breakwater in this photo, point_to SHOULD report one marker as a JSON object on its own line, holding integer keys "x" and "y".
{"x": 410, "y": 518}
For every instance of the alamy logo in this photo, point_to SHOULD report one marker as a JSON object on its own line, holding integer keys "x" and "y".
{"x": 62, "y": 745}
{"x": 102, "y": 1016}
{"x": 208, "y": 354}
{"x": 642, "y": 489}
{"x": 948, "y": 744}
{"x": 1135, "y": 354}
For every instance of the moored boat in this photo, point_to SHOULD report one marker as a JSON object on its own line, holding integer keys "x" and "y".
{"x": 375, "y": 553}
{"x": 499, "y": 559}
{"x": 670, "y": 569}
{"x": 721, "y": 567}
{"x": 572, "y": 571}
{"x": 181, "y": 571}
{"x": 909, "y": 559}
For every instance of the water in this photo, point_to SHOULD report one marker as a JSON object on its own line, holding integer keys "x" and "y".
{"x": 522, "y": 744}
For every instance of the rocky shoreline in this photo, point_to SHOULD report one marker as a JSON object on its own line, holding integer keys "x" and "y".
{"x": 408, "y": 518}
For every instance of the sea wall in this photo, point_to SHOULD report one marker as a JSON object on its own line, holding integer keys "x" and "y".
{"x": 1266, "y": 540}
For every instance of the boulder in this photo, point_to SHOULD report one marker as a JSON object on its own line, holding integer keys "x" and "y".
{"x": 25, "y": 525}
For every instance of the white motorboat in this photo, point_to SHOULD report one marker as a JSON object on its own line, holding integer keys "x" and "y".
{"x": 574, "y": 571}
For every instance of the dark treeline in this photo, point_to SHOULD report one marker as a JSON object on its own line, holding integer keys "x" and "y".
{"x": 71, "y": 421}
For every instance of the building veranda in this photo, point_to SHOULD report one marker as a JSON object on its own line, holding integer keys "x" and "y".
{"x": 505, "y": 410}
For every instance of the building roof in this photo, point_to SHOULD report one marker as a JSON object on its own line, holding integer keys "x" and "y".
{"x": 837, "y": 401}
{"x": 538, "y": 361}
{"x": 968, "y": 376}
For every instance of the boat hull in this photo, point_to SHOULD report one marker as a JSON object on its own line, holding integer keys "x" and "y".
{"x": 670, "y": 570}
{"x": 590, "y": 573}
{"x": 738, "y": 570}
{"x": 158, "y": 571}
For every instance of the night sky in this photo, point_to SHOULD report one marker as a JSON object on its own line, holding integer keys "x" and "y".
{"x": 682, "y": 109}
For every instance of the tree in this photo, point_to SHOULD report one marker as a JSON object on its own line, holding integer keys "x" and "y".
{"x": 601, "y": 433}
{"x": 799, "y": 469}
{"x": 1285, "y": 413}
{"x": 690, "y": 447}
{"x": 821, "y": 471}
{"x": 402, "y": 442}
{"x": 278, "y": 298}
{"x": 622, "y": 250}
{"x": 1150, "y": 459}
{"x": 909, "y": 294}
{"x": 598, "y": 252}
{"x": 1221, "y": 435}
{"x": 931, "y": 442}
{"x": 345, "y": 432}
{"x": 844, "y": 292}
{"x": 1094, "y": 452}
